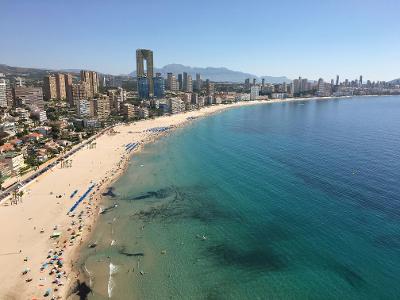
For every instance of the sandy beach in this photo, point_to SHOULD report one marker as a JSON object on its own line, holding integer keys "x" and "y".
{"x": 43, "y": 210}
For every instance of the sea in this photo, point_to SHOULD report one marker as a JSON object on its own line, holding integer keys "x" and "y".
{"x": 291, "y": 200}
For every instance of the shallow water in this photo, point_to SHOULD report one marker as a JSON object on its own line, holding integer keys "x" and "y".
{"x": 281, "y": 201}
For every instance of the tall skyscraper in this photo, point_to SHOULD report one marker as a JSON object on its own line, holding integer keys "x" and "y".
{"x": 143, "y": 87}
{"x": 247, "y": 84}
{"x": 263, "y": 82}
{"x": 60, "y": 86}
{"x": 158, "y": 86}
{"x": 145, "y": 55}
{"x": 102, "y": 107}
{"x": 198, "y": 82}
{"x": 189, "y": 84}
{"x": 180, "y": 82}
{"x": 3, "y": 93}
{"x": 49, "y": 87}
{"x": 79, "y": 92}
{"x": 254, "y": 81}
{"x": 210, "y": 89}
{"x": 361, "y": 80}
{"x": 68, "y": 88}
{"x": 91, "y": 79}
{"x": 172, "y": 83}
{"x": 254, "y": 92}
{"x": 337, "y": 79}
{"x": 184, "y": 81}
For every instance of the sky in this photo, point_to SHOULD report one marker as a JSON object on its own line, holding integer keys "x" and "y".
{"x": 308, "y": 38}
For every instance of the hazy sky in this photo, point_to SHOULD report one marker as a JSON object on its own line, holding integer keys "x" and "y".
{"x": 319, "y": 38}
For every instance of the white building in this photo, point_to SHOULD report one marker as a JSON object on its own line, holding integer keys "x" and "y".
{"x": 175, "y": 105}
{"x": 3, "y": 93}
{"x": 8, "y": 127}
{"x": 14, "y": 161}
{"x": 83, "y": 108}
{"x": 40, "y": 114}
{"x": 254, "y": 92}
{"x": 242, "y": 97}
{"x": 278, "y": 95}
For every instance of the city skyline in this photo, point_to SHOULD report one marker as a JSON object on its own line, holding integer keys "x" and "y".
{"x": 287, "y": 39}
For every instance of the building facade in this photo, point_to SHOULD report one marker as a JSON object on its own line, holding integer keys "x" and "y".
{"x": 91, "y": 80}
{"x": 29, "y": 96}
{"x": 142, "y": 56}
{"x": 159, "y": 89}
{"x": 49, "y": 87}
{"x": 60, "y": 86}
{"x": 143, "y": 88}
{"x": 3, "y": 93}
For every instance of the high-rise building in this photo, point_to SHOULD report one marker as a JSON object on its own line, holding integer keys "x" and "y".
{"x": 195, "y": 98}
{"x": 143, "y": 87}
{"x": 3, "y": 93}
{"x": 284, "y": 87}
{"x": 175, "y": 105}
{"x": 210, "y": 89}
{"x": 361, "y": 80}
{"x": 68, "y": 89}
{"x": 29, "y": 96}
{"x": 337, "y": 79}
{"x": 49, "y": 87}
{"x": 172, "y": 83}
{"x": 83, "y": 108}
{"x": 9, "y": 93}
{"x": 159, "y": 88}
{"x": 79, "y": 92}
{"x": 254, "y": 81}
{"x": 254, "y": 92}
{"x": 189, "y": 84}
{"x": 180, "y": 82}
{"x": 262, "y": 83}
{"x": 184, "y": 81}
{"x": 247, "y": 84}
{"x": 198, "y": 82}
{"x": 91, "y": 79}
{"x": 60, "y": 86}
{"x": 102, "y": 107}
{"x": 143, "y": 55}
{"x": 324, "y": 88}
{"x": 301, "y": 85}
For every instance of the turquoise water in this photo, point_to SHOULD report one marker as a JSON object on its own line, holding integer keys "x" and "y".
{"x": 292, "y": 200}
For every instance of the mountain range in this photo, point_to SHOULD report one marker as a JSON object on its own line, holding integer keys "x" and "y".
{"x": 216, "y": 74}
{"x": 395, "y": 81}
{"x": 213, "y": 74}
{"x": 34, "y": 73}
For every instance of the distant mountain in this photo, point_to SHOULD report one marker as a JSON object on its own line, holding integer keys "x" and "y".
{"x": 20, "y": 71}
{"x": 215, "y": 74}
{"x": 30, "y": 72}
{"x": 395, "y": 81}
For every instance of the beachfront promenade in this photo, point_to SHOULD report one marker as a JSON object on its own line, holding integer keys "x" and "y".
{"x": 31, "y": 176}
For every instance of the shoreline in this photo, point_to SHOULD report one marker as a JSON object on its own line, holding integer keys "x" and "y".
{"x": 108, "y": 165}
